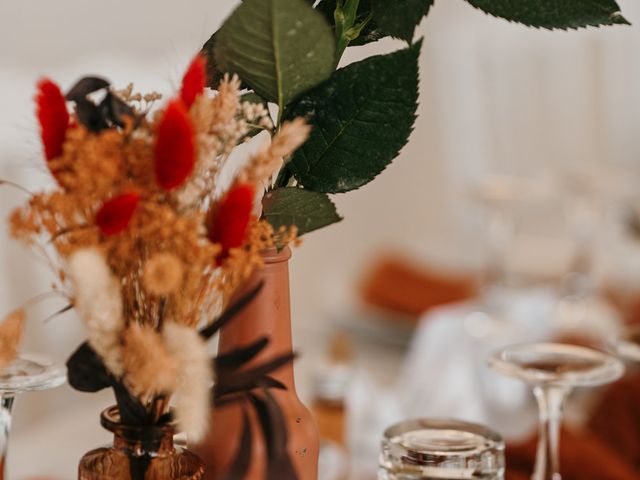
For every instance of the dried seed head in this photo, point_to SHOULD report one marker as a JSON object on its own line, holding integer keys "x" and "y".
{"x": 10, "y": 335}
{"x": 148, "y": 368}
{"x": 163, "y": 274}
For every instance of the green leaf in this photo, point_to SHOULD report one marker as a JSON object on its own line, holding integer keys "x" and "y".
{"x": 280, "y": 48}
{"x": 214, "y": 74}
{"x": 296, "y": 206}
{"x": 370, "y": 33}
{"x": 401, "y": 20}
{"x": 553, "y": 14}
{"x": 361, "y": 119}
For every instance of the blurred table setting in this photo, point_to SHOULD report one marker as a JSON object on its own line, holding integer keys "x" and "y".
{"x": 488, "y": 284}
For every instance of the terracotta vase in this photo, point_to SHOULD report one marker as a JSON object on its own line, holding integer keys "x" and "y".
{"x": 268, "y": 315}
{"x": 139, "y": 453}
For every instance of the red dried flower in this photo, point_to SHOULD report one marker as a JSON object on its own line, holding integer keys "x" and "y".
{"x": 193, "y": 82}
{"x": 175, "y": 149}
{"x": 51, "y": 110}
{"x": 228, "y": 223}
{"x": 115, "y": 214}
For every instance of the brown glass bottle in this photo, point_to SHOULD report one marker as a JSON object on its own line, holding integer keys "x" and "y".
{"x": 139, "y": 453}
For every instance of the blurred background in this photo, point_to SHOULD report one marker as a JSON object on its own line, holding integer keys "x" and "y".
{"x": 521, "y": 174}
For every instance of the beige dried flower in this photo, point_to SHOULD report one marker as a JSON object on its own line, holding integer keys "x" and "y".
{"x": 226, "y": 103}
{"x": 290, "y": 136}
{"x": 195, "y": 378}
{"x": 163, "y": 274}
{"x": 270, "y": 157}
{"x": 148, "y": 368}
{"x": 10, "y": 335}
{"x": 98, "y": 300}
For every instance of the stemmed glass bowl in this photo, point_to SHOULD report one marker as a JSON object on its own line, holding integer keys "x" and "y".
{"x": 627, "y": 344}
{"x": 27, "y": 373}
{"x": 553, "y": 370}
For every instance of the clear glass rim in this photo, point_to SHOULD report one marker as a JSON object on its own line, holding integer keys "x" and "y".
{"x": 622, "y": 346}
{"x": 52, "y": 375}
{"x": 609, "y": 368}
{"x": 442, "y": 424}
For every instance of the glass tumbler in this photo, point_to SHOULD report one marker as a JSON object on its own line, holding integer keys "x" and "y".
{"x": 425, "y": 449}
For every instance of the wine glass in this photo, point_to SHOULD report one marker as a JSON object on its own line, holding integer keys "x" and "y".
{"x": 553, "y": 370}
{"x": 27, "y": 373}
{"x": 592, "y": 195}
{"x": 627, "y": 344}
{"x": 500, "y": 198}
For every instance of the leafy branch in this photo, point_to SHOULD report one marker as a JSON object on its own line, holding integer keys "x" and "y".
{"x": 362, "y": 115}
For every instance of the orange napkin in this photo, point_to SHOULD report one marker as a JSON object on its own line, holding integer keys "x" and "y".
{"x": 582, "y": 457}
{"x": 616, "y": 419}
{"x": 397, "y": 284}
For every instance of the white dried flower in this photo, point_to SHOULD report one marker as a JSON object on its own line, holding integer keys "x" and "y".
{"x": 98, "y": 300}
{"x": 195, "y": 378}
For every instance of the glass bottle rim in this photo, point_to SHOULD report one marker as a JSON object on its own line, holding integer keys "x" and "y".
{"x": 111, "y": 421}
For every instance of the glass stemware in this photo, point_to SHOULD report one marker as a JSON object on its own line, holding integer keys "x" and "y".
{"x": 592, "y": 195}
{"x": 500, "y": 197}
{"x": 553, "y": 370}
{"x": 27, "y": 373}
{"x": 627, "y": 344}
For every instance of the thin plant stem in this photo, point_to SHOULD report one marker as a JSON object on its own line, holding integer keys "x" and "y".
{"x": 551, "y": 400}
{"x": 41, "y": 297}
{"x": 9, "y": 183}
{"x": 6, "y": 407}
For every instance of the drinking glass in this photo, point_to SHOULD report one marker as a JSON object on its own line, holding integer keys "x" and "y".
{"x": 426, "y": 449}
{"x": 627, "y": 344}
{"x": 592, "y": 195}
{"x": 500, "y": 197}
{"x": 27, "y": 373}
{"x": 553, "y": 370}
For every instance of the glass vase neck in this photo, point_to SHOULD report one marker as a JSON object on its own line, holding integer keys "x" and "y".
{"x": 139, "y": 452}
{"x": 136, "y": 440}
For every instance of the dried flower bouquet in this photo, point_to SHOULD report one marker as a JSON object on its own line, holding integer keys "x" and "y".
{"x": 144, "y": 238}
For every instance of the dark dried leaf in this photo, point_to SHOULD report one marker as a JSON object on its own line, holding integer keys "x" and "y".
{"x": 279, "y": 432}
{"x": 232, "y": 382}
{"x": 264, "y": 419}
{"x": 86, "y": 372}
{"x": 270, "y": 382}
{"x": 225, "y": 400}
{"x": 91, "y": 116}
{"x": 64, "y": 309}
{"x": 114, "y": 109}
{"x": 132, "y": 412}
{"x": 280, "y": 466}
{"x": 242, "y": 461}
{"x": 236, "y": 358}
{"x": 274, "y": 428}
{"x": 110, "y": 112}
{"x": 84, "y": 87}
{"x": 231, "y": 312}
{"x": 138, "y": 466}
